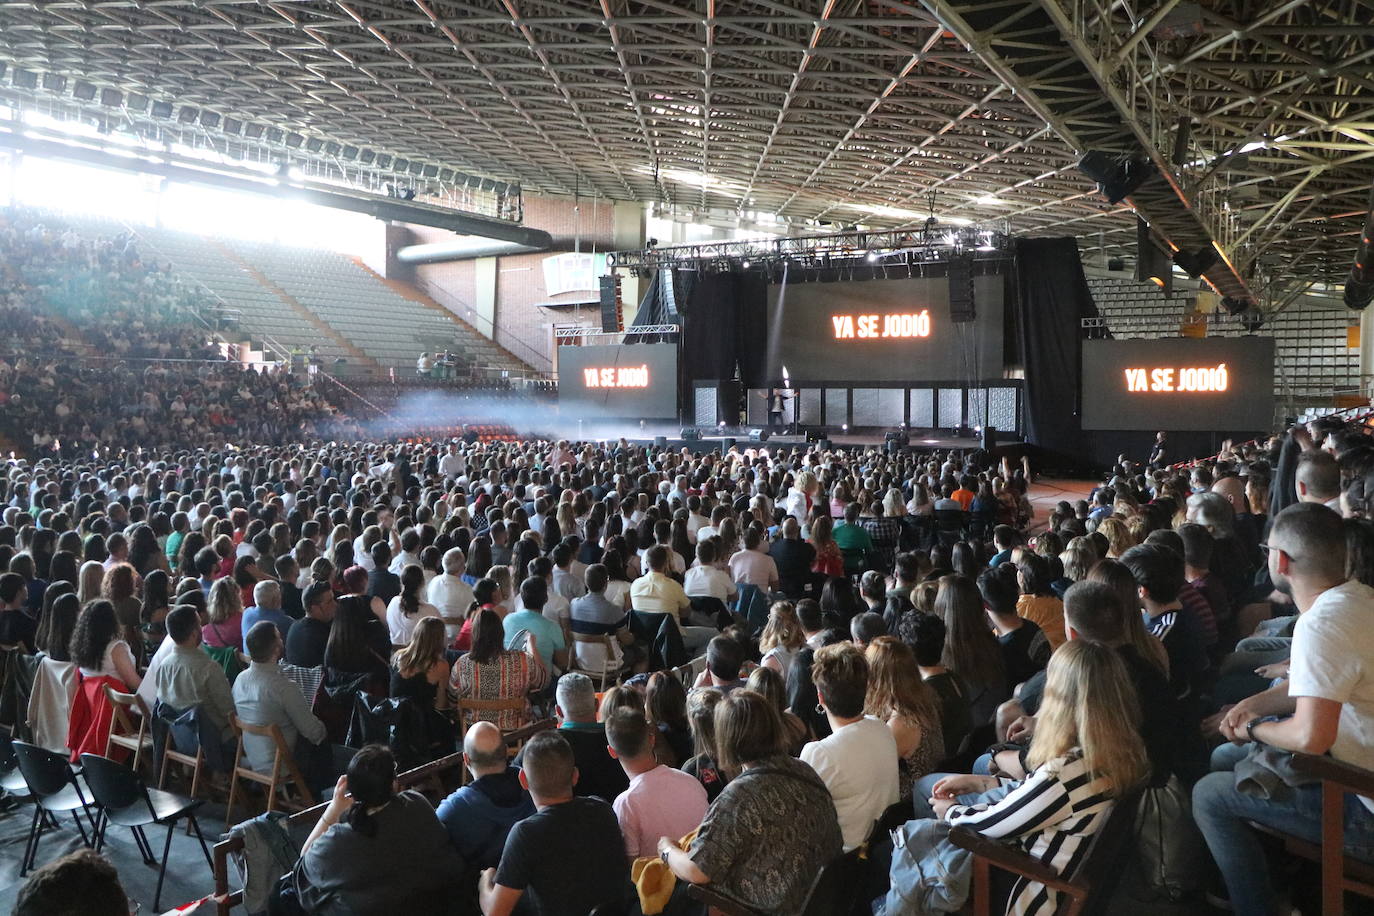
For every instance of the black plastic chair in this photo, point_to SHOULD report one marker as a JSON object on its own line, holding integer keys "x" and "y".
{"x": 126, "y": 801}
{"x": 11, "y": 780}
{"x": 56, "y": 788}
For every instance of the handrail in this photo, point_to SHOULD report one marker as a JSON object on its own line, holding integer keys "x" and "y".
{"x": 479, "y": 323}
{"x": 1347, "y": 413}
{"x": 380, "y": 410}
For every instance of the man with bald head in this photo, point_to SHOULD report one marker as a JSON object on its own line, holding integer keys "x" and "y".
{"x": 479, "y": 815}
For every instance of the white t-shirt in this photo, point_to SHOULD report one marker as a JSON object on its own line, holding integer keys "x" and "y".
{"x": 858, "y": 764}
{"x": 402, "y": 626}
{"x": 1333, "y": 659}
{"x": 708, "y": 582}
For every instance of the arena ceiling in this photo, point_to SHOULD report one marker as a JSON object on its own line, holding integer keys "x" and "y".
{"x": 847, "y": 111}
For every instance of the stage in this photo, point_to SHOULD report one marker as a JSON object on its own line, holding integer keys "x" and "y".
{"x": 919, "y": 442}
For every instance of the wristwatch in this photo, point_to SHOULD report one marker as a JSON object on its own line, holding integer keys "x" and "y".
{"x": 663, "y": 854}
{"x": 1250, "y": 726}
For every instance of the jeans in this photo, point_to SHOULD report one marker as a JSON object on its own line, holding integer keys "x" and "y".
{"x": 1222, "y": 814}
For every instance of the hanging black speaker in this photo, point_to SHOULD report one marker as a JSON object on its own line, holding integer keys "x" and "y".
{"x": 989, "y": 438}
{"x": 610, "y": 314}
{"x": 961, "y": 303}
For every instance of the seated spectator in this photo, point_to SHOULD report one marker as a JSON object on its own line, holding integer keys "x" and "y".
{"x": 971, "y": 651}
{"x": 706, "y": 580}
{"x": 224, "y": 603}
{"x": 17, "y": 628}
{"x": 382, "y": 584}
{"x": 593, "y": 614}
{"x": 724, "y": 659}
{"x": 188, "y": 678}
{"x": 376, "y": 850}
{"x": 489, "y": 672}
{"x": 782, "y": 637}
{"x": 266, "y": 606}
{"x": 665, "y": 706}
{"x": 858, "y": 761}
{"x": 1159, "y": 576}
{"x": 530, "y": 618}
{"x": 854, "y": 541}
{"x": 793, "y": 559}
{"x": 449, "y": 593}
{"x": 701, "y": 712}
{"x": 420, "y": 672}
{"x": 358, "y": 646}
{"x": 307, "y": 637}
{"x": 97, "y": 648}
{"x": 924, "y": 634}
{"x": 263, "y": 695}
{"x": 1005, "y": 538}
{"x": 898, "y": 696}
{"x": 660, "y": 800}
{"x": 408, "y": 607}
{"x": 865, "y": 628}
{"x": 1038, "y": 603}
{"x": 81, "y": 883}
{"x": 774, "y": 824}
{"x": 1025, "y": 650}
{"x": 1323, "y": 707}
{"x": 479, "y": 815}
{"x": 1085, "y": 754}
{"x": 656, "y": 593}
{"x": 770, "y": 685}
{"x": 568, "y": 856}
{"x": 1094, "y": 613}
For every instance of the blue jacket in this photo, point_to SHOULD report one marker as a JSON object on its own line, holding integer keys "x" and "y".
{"x": 478, "y": 816}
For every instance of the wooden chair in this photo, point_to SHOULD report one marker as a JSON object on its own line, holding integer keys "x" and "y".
{"x": 1339, "y": 872}
{"x": 196, "y": 763}
{"x": 284, "y": 773}
{"x": 609, "y": 670}
{"x": 468, "y": 705}
{"x": 1087, "y": 890}
{"x": 123, "y": 732}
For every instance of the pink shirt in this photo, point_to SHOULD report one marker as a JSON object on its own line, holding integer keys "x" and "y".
{"x": 753, "y": 567}
{"x": 662, "y": 802}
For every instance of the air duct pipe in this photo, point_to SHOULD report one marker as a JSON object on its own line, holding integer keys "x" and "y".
{"x": 1359, "y": 286}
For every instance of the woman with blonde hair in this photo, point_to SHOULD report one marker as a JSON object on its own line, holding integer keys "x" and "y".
{"x": 772, "y": 686}
{"x": 224, "y": 608}
{"x": 1119, "y": 538}
{"x": 92, "y": 581}
{"x": 782, "y": 637}
{"x": 1086, "y": 753}
{"x": 898, "y": 696}
{"x": 420, "y": 672}
{"x": 802, "y": 496}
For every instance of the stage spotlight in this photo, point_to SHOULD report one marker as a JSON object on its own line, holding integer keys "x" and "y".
{"x": 83, "y": 91}
{"x": 844, "y": 427}
{"x": 188, "y": 115}
{"x": 1196, "y": 263}
{"x": 209, "y": 119}
{"x": 1117, "y": 177}
{"x": 745, "y": 264}
{"x": 332, "y": 149}
{"x": 872, "y": 256}
{"x": 1234, "y": 306}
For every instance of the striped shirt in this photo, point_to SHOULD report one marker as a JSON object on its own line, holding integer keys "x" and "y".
{"x": 1053, "y": 814}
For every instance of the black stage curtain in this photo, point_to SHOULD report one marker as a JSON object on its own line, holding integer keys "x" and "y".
{"x": 725, "y": 327}
{"x": 1052, "y": 299}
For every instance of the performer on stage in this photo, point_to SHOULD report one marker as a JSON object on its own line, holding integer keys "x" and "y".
{"x": 777, "y": 400}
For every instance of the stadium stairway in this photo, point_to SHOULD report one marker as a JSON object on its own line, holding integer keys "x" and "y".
{"x": 297, "y": 308}
{"x": 486, "y": 351}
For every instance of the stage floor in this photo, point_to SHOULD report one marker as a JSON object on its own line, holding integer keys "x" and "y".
{"x": 845, "y": 441}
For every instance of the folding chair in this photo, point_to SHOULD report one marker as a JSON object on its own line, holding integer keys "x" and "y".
{"x": 123, "y": 732}
{"x": 56, "y": 789}
{"x": 284, "y": 772}
{"x": 608, "y": 670}
{"x": 126, "y": 801}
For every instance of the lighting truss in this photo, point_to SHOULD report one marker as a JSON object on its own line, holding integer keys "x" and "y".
{"x": 925, "y": 244}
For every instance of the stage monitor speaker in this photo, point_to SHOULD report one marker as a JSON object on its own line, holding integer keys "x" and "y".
{"x": 690, "y": 434}
{"x": 610, "y": 314}
{"x": 660, "y": 441}
{"x": 962, "y": 307}
{"x": 726, "y": 445}
{"x": 989, "y": 438}
{"x": 825, "y": 445}
{"x": 758, "y": 435}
